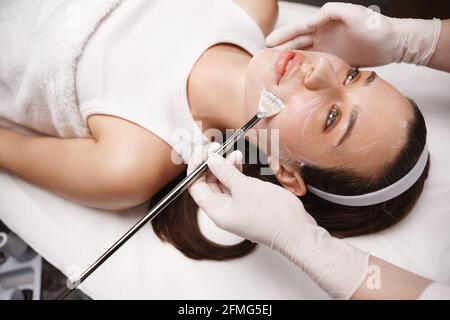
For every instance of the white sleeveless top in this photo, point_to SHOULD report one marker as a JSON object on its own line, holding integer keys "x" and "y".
{"x": 137, "y": 63}
{"x": 64, "y": 60}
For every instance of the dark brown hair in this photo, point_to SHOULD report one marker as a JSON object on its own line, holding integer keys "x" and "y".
{"x": 178, "y": 225}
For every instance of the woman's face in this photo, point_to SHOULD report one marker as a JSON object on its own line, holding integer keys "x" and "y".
{"x": 335, "y": 117}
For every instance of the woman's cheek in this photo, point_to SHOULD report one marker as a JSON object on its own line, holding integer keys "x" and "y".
{"x": 283, "y": 133}
{"x": 297, "y": 122}
{"x": 299, "y": 140}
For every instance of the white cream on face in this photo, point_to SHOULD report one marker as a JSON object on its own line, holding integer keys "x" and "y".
{"x": 269, "y": 105}
{"x": 310, "y": 90}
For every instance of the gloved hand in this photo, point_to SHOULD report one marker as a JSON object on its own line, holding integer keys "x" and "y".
{"x": 270, "y": 215}
{"x": 361, "y": 36}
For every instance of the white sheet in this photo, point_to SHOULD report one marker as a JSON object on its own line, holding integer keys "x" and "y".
{"x": 71, "y": 236}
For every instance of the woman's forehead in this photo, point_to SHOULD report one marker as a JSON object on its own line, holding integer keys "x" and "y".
{"x": 381, "y": 100}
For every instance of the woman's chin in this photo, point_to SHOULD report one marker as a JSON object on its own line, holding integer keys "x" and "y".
{"x": 260, "y": 75}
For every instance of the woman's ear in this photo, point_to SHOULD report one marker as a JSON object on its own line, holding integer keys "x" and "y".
{"x": 288, "y": 176}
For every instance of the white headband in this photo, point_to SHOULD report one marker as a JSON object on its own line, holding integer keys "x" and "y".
{"x": 382, "y": 195}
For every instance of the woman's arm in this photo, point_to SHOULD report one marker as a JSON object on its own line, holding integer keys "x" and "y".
{"x": 122, "y": 166}
{"x": 264, "y": 12}
{"x": 441, "y": 58}
{"x": 389, "y": 282}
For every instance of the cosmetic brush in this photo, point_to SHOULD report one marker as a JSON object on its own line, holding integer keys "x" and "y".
{"x": 269, "y": 106}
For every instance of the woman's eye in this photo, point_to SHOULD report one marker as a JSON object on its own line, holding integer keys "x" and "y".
{"x": 351, "y": 75}
{"x": 332, "y": 117}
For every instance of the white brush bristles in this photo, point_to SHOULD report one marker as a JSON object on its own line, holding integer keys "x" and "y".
{"x": 269, "y": 105}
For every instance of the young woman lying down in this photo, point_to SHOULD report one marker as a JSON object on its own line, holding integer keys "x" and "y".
{"x": 107, "y": 84}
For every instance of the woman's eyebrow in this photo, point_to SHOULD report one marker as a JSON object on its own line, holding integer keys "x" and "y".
{"x": 351, "y": 124}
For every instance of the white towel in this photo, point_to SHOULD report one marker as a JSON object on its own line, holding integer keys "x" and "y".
{"x": 40, "y": 43}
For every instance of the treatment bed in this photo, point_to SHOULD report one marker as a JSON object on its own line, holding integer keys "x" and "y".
{"x": 71, "y": 236}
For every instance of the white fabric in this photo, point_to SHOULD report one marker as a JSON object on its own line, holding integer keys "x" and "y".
{"x": 71, "y": 236}
{"x": 40, "y": 42}
{"x": 436, "y": 291}
{"x": 136, "y": 65}
{"x": 72, "y": 59}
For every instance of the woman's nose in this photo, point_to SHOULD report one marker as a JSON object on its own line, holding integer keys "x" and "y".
{"x": 321, "y": 76}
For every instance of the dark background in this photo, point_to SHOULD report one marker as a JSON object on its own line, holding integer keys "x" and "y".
{"x": 401, "y": 8}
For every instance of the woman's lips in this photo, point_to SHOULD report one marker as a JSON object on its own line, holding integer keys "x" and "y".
{"x": 282, "y": 63}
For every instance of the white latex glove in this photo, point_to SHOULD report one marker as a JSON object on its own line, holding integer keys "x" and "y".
{"x": 270, "y": 215}
{"x": 361, "y": 36}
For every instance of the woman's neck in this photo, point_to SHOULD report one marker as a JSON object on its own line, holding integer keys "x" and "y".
{"x": 216, "y": 88}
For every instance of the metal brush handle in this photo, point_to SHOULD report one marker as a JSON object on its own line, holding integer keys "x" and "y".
{"x": 160, "y": 206}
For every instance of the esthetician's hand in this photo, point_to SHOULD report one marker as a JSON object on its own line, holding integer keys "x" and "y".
{"x": 246, "y": 206}
{"x": 270, "y": 215}
{"x": 361, "y": 36}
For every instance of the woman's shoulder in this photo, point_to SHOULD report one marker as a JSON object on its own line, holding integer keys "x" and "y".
{"x": 264, "y": 12}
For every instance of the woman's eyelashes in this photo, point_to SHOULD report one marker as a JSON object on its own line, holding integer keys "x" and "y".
{"x": 332, "y": 116}
{"x": 334, "y": 113}
{"x": 352, "y": 74}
